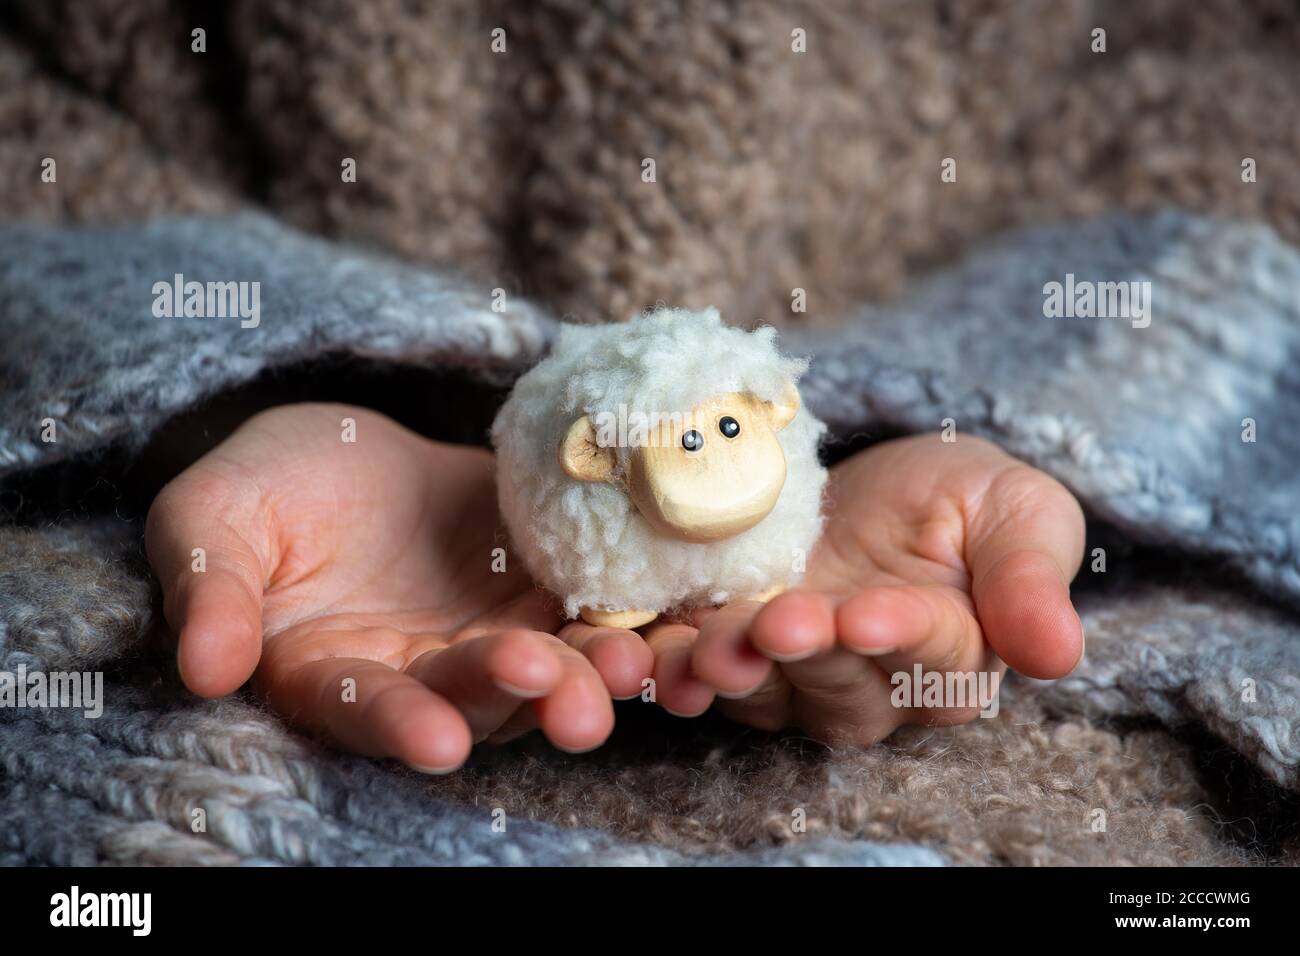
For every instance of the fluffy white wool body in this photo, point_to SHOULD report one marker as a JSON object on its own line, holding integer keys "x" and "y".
{"x": 585, "y": 541}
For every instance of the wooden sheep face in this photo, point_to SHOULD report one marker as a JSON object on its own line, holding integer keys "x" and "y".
{"x": 702, "y": 476}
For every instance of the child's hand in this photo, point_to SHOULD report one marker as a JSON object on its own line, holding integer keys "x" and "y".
{"x": 954, "y": 556}
{"x": 357, "y": 579}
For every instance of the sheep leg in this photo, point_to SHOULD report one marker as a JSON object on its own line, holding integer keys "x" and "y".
{"x": 628, "y": 619}
{"x": 762, "y": 597}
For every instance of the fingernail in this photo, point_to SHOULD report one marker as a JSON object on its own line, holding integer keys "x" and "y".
{"x": 790, "y": 658}
{"x": 741, "y": 695}
{"x": 677, "y": 713}
{"x": 435, "y": 771}
{"x": 575, "y": 750}
{"x": 518, "y": 691}
{"x": 873, "y": 651}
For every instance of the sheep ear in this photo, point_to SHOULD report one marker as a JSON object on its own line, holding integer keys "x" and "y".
{"x": 781, "y": 413}
{"x": 582, "y": 457}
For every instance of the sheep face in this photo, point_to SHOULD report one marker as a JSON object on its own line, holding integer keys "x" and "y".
{"x": 702, "y": 476}
{"x": 615, "y": 520}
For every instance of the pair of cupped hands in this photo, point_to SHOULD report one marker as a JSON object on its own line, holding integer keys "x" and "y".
{"x": 359, "y": 584}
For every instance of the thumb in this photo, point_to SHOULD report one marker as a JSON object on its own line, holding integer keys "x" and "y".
{"x": 207, "y": 540}
{"x": 1021, "y": 568}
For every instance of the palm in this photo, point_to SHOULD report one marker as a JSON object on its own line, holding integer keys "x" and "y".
{"x": 953, "y": 556}
{"x": 391, "y": 545}
{"x": 333, "y": 561}
{"x": 893, "y": 520}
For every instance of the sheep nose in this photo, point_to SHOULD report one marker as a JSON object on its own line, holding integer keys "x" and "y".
{"x": 726, "y": 523}
{"x": 713, "y": 513}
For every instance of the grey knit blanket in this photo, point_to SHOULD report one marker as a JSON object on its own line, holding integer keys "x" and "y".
{"x": 1176, "y": 428}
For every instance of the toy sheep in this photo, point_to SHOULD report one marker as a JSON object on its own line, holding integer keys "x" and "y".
{"x": 664, "y": 463}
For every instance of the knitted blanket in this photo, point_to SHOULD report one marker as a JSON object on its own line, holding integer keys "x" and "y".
{"x": 1176, "y": 740}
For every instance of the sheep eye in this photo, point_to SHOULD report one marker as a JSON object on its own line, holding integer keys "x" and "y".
{"x": 729, "y": 427}
{"x": 692, "y": 440}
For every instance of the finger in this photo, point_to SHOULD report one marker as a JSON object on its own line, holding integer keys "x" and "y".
{"x": 751, "y": 687}
{"x": 578, "y": 714}
{"x": 1021, "y": 570}
{"x": 723, "y": 655}
{"x": 933, "y": 628}
{"x": 371, "y": 709}
{"x": 767, "y": 707}
{"x": 212, "y": 578}
{"x": 621, "y": 657}
{"x": 904, "y": 625}
{"x": 799, "y": 630}
{"x": 822, "y": 687}
{"x": 794, "y": 626}
{"x": 677, "y": 689}
{"x": 489, "y": 678}
{"x": 522, "y": 721}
